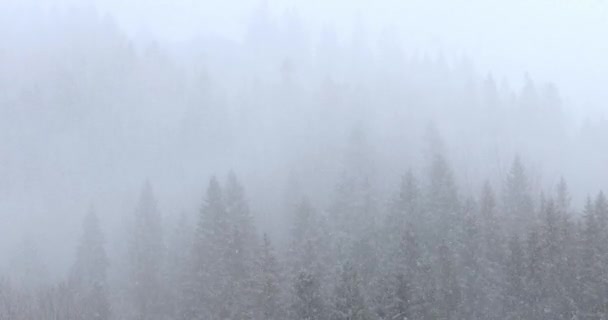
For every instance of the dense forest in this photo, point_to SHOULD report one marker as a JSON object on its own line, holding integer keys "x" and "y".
{"x": 431, "y": 252}
{"x": 291, "y": 174}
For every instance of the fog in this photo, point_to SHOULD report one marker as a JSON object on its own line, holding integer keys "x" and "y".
{"x": 123, "y": 114}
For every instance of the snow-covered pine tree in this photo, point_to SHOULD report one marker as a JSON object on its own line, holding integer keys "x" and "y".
{"x": 518, "y": 206}
{"x": 88, "y": 277}
{"x": 146, "y": 252}
{"x": 348, "y": 300}
{"x": 270, "y": 299}
{"x": 242, "y": 249}
{"x": 308, "y": 302}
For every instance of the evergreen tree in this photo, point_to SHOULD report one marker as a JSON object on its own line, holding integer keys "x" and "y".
{"x": 450, "y": 291}
{"x": 208, "y": 285}
{"x": 351, "y": 215}
{"x": 563, "y": 199}
{"x": 404, "y": 280}
{"x": 224, "y": 267}
{"x": 594, "y": 275}
{"x": 491, "y": 227}
{"x": 405, "y": 210}
{"x": 535, "y": 289}
{"x": 404, "y": 300}
{"x": 442, "y": 200}
{"x": 514, "y": 293}
{"x": 349, "y": 303}
{"x": 308, "y": 303}
{"x": 241, "y": 249}
{"x": 601, "y": 213}
{"x": 517, "y": 202}
{"x": 558, "y": 299}
{"x": 308, "y": 240}
{"x": 269, "y": 300}
{"x": 477, "y": 284}
{"x": 590, "y": 272}
{"x": 146, "y": 253}
{"x": 400, "y": 289}
{"x": 178, "y": 269}
{"x": 89, "y": 272}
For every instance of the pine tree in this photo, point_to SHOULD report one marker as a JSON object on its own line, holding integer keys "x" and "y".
{"x": 554, "y": 257}
{"x": 405, "y": 210}
{"x": 88, "y": 275}
{"x": 400, "y": 289}
{"x": 241, "y": 249}
{"x": 310, "y": 247}
{"x": 442, "y": 201}
{"x": 402, "y": 304}
{"x": 352, "y": 209}
{"x": 209, "y": 277}
{"x": 349, "y": 303}
{"x": 402, "y": 285}
{"x": 450, "y": 291}
{"x": 146, "y": 253}
{"x": 178, "y": 267}
{"x": 494, "y": 250}
{"x": 563, "y": 199}
{"x": 307, "y": 302}
{"x": 514, "y": 295}
{"x": 517, "y": 202}
{"x": 535, "y": 286}
{"x": 601, "y": 212}
{"x": 269, "y": 296}
{"x": 591, "y": 258}
{"x": 476, "y": 281}
{"x": 600, "y": 254}
{"x": 225, "y": 253}
{"x": 491, "y": 226}
{"x": 442, "y": 195}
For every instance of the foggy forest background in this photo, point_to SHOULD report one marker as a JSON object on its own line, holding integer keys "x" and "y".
{"x": 293, "y": 174}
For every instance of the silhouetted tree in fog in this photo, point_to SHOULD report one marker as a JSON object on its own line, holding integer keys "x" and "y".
{"x": 88, "y": 278}
{"x": 146, "y": 256}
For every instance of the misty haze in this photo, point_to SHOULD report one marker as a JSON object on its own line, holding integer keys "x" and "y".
{"x": 303, "y": 160}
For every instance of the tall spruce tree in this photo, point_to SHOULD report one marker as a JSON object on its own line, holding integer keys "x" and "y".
{"x": 269, "y": 300}
{"x": 178, "y": 268}
{"x": 349, "y": 302}
{"x": 517, "y": 201}
{"x": 209, "y": 277}
{"x": 307, "y": 240}
{"x": 442, "y": 201}
{"x": 352, "y": 210}
{"x": 241, "y": 249}
{"x": 308, "y": 302}
{"x": 450, "y": 290}
{"x": 146, "y": 252}
{"x": 492, "y": 252}
{"x": 88, "y": 277}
